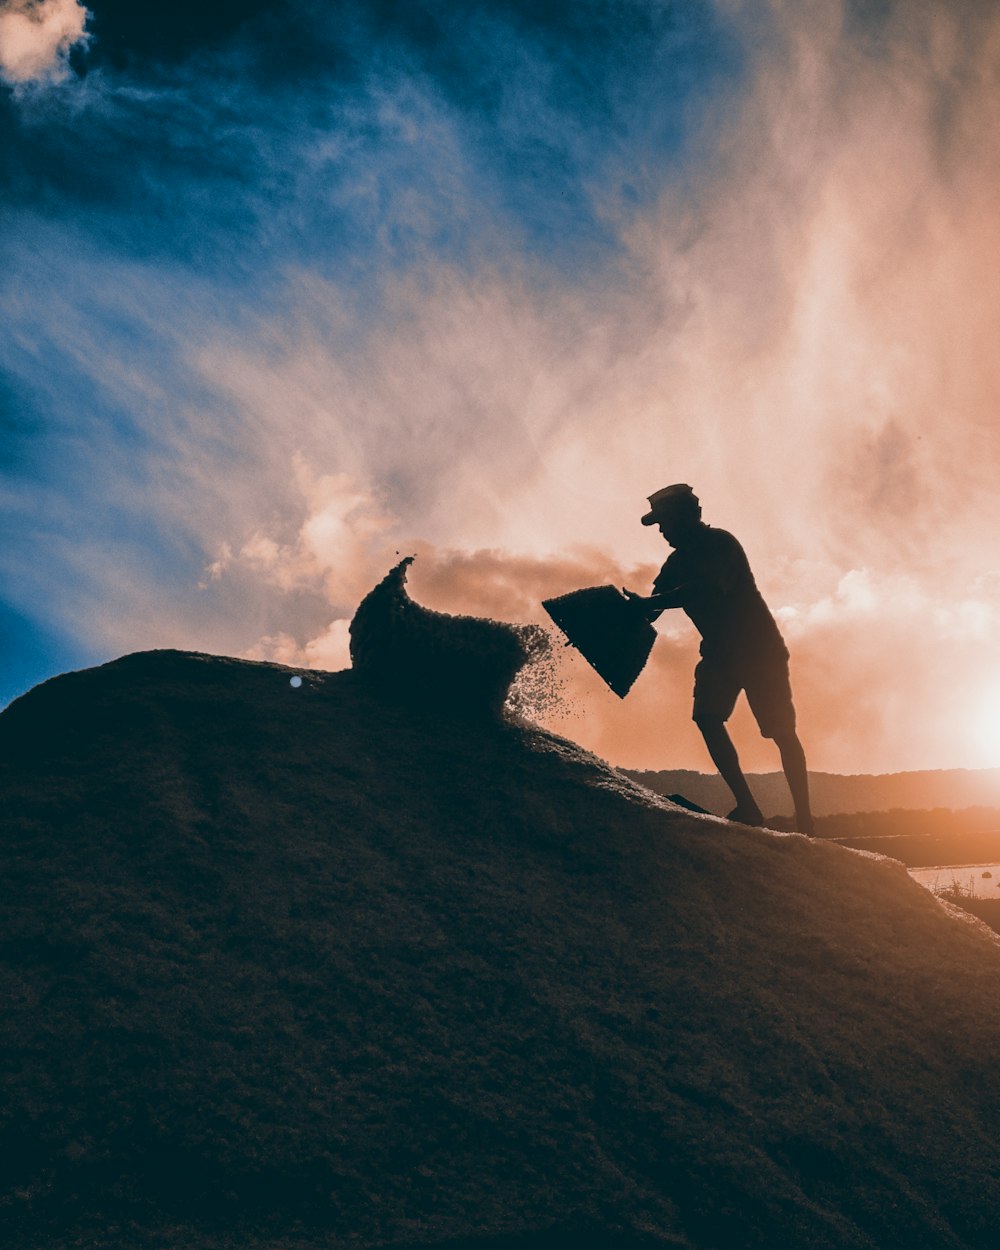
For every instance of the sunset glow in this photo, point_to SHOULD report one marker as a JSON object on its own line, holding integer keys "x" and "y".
{"x": 473, "y": 288}
{"x": 984, "y": 738}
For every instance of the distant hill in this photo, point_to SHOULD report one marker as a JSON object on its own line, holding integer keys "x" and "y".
{"x": 832, "y": 793}
{"x": 330, "y": 966}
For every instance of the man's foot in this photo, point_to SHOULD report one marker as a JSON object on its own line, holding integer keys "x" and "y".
{"x": 681, "y": 801}
{"x": 790, "y": 824}
{"x": 747, "y": 816}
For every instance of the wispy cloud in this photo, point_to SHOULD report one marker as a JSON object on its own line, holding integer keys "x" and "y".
{"x": 360, "y": 319}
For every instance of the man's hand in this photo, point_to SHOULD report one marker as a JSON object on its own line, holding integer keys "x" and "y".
{"x": 659, "y": 601}
{"x": 642, "y": 602}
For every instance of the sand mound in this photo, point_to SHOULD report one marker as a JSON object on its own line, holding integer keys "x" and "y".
{"x": 464, "y": 664}
{"x": 313, "y": 967}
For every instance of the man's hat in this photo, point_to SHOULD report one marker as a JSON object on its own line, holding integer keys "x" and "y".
{"x": 666, "y": 500}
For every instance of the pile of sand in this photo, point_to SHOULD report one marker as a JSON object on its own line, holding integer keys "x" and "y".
{"x": 305, "y": 967}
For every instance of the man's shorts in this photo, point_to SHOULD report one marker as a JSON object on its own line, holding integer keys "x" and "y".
{"x": 718, "y": 682}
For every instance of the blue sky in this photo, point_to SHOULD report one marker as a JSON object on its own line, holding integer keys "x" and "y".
{"x": 287, "y": 288}
{"x": 174, "y": 169}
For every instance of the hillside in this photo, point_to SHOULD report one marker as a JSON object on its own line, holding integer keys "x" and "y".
{"x": 326, "y": 967}
{"x": 833, "y": 793}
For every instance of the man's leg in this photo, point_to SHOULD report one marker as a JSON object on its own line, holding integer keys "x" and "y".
{"x": 724, "y": 757}
{"x": 769, "y": 693}
{"x": 793, "y": 761}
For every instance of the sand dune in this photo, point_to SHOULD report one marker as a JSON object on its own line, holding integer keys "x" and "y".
{"x": 325, "y": 966}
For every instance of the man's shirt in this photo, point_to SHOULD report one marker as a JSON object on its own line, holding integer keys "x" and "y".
{"x": 712, "y": 577}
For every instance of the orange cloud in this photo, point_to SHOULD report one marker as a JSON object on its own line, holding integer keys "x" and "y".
{"x": 803, "y": 327}
{"x": 36, "y": 37}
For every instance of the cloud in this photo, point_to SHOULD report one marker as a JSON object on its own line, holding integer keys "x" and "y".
{"x": 340, "y": 541}
{"x": 430, "y": 307}
{"x": 794, "y": 328}
{"x": 899, "y": 668}
{"x": 36, "y": 37}
{"x": 330, "y": 651}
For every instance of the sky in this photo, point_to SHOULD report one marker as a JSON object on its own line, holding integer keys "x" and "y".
{"x": 289, "y": 289}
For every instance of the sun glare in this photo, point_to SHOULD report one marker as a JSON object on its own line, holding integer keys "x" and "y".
{"x": 984, "y": 728}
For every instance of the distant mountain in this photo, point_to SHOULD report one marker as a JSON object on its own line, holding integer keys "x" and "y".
{"x": 832, "y": 794}
{"x": 336, "y": 965}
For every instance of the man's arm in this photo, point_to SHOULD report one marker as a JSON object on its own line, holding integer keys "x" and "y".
{"x": 659, "y": 601}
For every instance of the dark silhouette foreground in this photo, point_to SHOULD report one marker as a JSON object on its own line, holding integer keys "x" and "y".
{"x": 323, "y": 966}
{"x": 709, "y": 577}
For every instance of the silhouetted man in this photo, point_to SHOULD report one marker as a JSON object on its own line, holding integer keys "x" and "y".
{"x": 708, "y": 575}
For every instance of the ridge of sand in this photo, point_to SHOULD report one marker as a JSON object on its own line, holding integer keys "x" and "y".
{"x": 309, "y": 967}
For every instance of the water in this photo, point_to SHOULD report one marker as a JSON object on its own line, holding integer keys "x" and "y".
{"x": 979, "y": 880}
